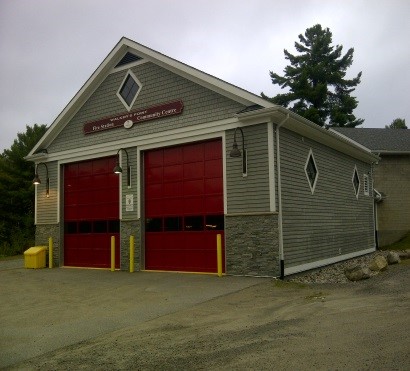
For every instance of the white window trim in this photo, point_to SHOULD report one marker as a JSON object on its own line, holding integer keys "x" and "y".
{"x": 366, "y": 185}
{"x": 129, "y": 73}
{"x": 358, "y": 177}
{"x": 312, "y": 188}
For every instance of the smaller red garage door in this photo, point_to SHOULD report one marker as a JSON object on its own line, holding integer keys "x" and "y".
{"x": 91, "y": 213}
{"x": 183, "y": 207}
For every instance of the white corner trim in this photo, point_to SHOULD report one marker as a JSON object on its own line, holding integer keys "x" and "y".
{"x": 140, "y": 172}
{"x": 58, "y": 192}
{"x": 120, "y": 184}
{"x": 271, "y": 162}
{"x": 323, "y": 262}
{"x": 35, "y": 204}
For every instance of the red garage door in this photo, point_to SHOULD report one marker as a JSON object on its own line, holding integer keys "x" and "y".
{"x": 91, "y": 213}
{"x": 183, "y": 207}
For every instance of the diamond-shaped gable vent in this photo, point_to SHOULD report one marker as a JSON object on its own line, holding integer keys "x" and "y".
{"x": 129, "y": 90}
{"x": 311, "y": 171}
{"x": 356, "y": 182}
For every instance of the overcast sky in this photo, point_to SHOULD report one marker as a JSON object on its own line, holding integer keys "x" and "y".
{"x": 49, "y": 48}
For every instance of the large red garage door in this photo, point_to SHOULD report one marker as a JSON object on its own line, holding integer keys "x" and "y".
{"x": 183, "y": 207}
{"x": 91, "y": 213}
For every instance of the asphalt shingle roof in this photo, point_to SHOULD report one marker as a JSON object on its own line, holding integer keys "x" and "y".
{"x": 379, "y": 140}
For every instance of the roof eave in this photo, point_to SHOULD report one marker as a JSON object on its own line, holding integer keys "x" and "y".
{"x": 306, "y": 128}
{"x": 79, "y": 98}
{"x": 386, "y": 152}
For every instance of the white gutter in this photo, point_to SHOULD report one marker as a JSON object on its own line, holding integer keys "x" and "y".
{"x": 281, "y": 252}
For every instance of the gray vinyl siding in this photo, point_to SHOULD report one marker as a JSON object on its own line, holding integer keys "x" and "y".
{"x": 132, "y": 153}
{"x": 159, "y": 85}
{"x": 331, "y": 222}
{"x": 47, "y": 207}
{"x": 248, "y": 194}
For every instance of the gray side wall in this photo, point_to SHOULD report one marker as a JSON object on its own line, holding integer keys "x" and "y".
{"x": 159, "y": 85}
{"x": 392, "y": 177}
{"x": 331, "y": 222}
{"x": 47, "y": 207}
{"x": 250, "y": 193}
{"x": 251, "y": 245}
{"x": 251, "y": 230}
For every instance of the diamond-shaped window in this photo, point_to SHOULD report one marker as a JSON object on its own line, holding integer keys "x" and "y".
{"x": 311, "y": 171}
{"x": 356, "y": 182}
{"x": 129, "y": 90}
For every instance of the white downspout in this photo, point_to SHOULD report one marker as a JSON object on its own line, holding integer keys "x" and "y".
{"x": 281, "y": 253}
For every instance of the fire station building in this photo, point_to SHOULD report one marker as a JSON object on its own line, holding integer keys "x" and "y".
{"x": 156, "y": 149}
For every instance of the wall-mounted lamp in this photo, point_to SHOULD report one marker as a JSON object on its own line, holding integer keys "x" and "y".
{"x": 236, "y": 152}
{"x": 37, "y": 180}
{"x": 118, "y": 170}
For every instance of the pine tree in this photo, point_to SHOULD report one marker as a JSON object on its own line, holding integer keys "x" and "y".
{"x": 397, "y": 124}
{"x": 316, "y": 81}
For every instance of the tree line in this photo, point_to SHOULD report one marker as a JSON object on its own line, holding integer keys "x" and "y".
{"x": 17, "y": 193}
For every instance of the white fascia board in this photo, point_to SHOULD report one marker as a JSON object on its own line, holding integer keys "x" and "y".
{"x": 106, "y": 149}
{"x": 385, "y": 152}
{"x": 308, "y": 129}
{"x": 80, "y": 98}
{"x": 211, "y": 82}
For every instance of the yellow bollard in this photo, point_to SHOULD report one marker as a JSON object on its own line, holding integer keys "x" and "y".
{"x": 112, "y": 253}
{"x": 219, "y": 254}
{"x": 131, "y": 254}
{"x": 50, "y": 252}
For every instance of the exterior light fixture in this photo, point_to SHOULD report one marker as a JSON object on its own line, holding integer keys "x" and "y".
{"x": 236, "y": 152}
{"x": 118, "y": 169}
{"x": 37, "y": 179}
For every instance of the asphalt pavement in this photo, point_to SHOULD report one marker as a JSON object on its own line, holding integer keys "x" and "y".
{"x": 42, "y": 310}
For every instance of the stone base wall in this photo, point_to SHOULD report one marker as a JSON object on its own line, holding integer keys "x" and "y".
{"x": 252, "y": 245}
{"x": 127, "y": 229}
{"x": 43, "y": 232}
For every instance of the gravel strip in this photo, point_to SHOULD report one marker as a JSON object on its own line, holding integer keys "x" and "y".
{"x": 334, "y": 273}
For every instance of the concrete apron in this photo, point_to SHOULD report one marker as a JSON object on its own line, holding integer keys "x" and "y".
{"x": 45, "y": 309}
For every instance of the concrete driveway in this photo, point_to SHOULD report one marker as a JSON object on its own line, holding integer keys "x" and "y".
{"x": 42, "y": 310}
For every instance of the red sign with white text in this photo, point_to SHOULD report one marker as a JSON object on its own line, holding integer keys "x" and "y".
{"x": 134, "y": 117}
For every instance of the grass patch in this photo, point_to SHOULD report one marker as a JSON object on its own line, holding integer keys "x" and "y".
{"x": 402, "y": 244}
{"x": 14, "y": 257}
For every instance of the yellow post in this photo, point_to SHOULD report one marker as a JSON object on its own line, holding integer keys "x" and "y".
{"x": 131, "y": 254}
{"x": 219, "y": 254}
{"x": 50, "y": 252}
{"x": 112, "y": 253}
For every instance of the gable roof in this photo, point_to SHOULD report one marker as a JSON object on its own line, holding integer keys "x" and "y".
{"x": 127, "y": 51}
{"x": 124, "y": 48}
{"x": 379, "y": 140}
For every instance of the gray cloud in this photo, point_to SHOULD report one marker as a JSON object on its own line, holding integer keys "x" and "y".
{"x": 49, "y": 48}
